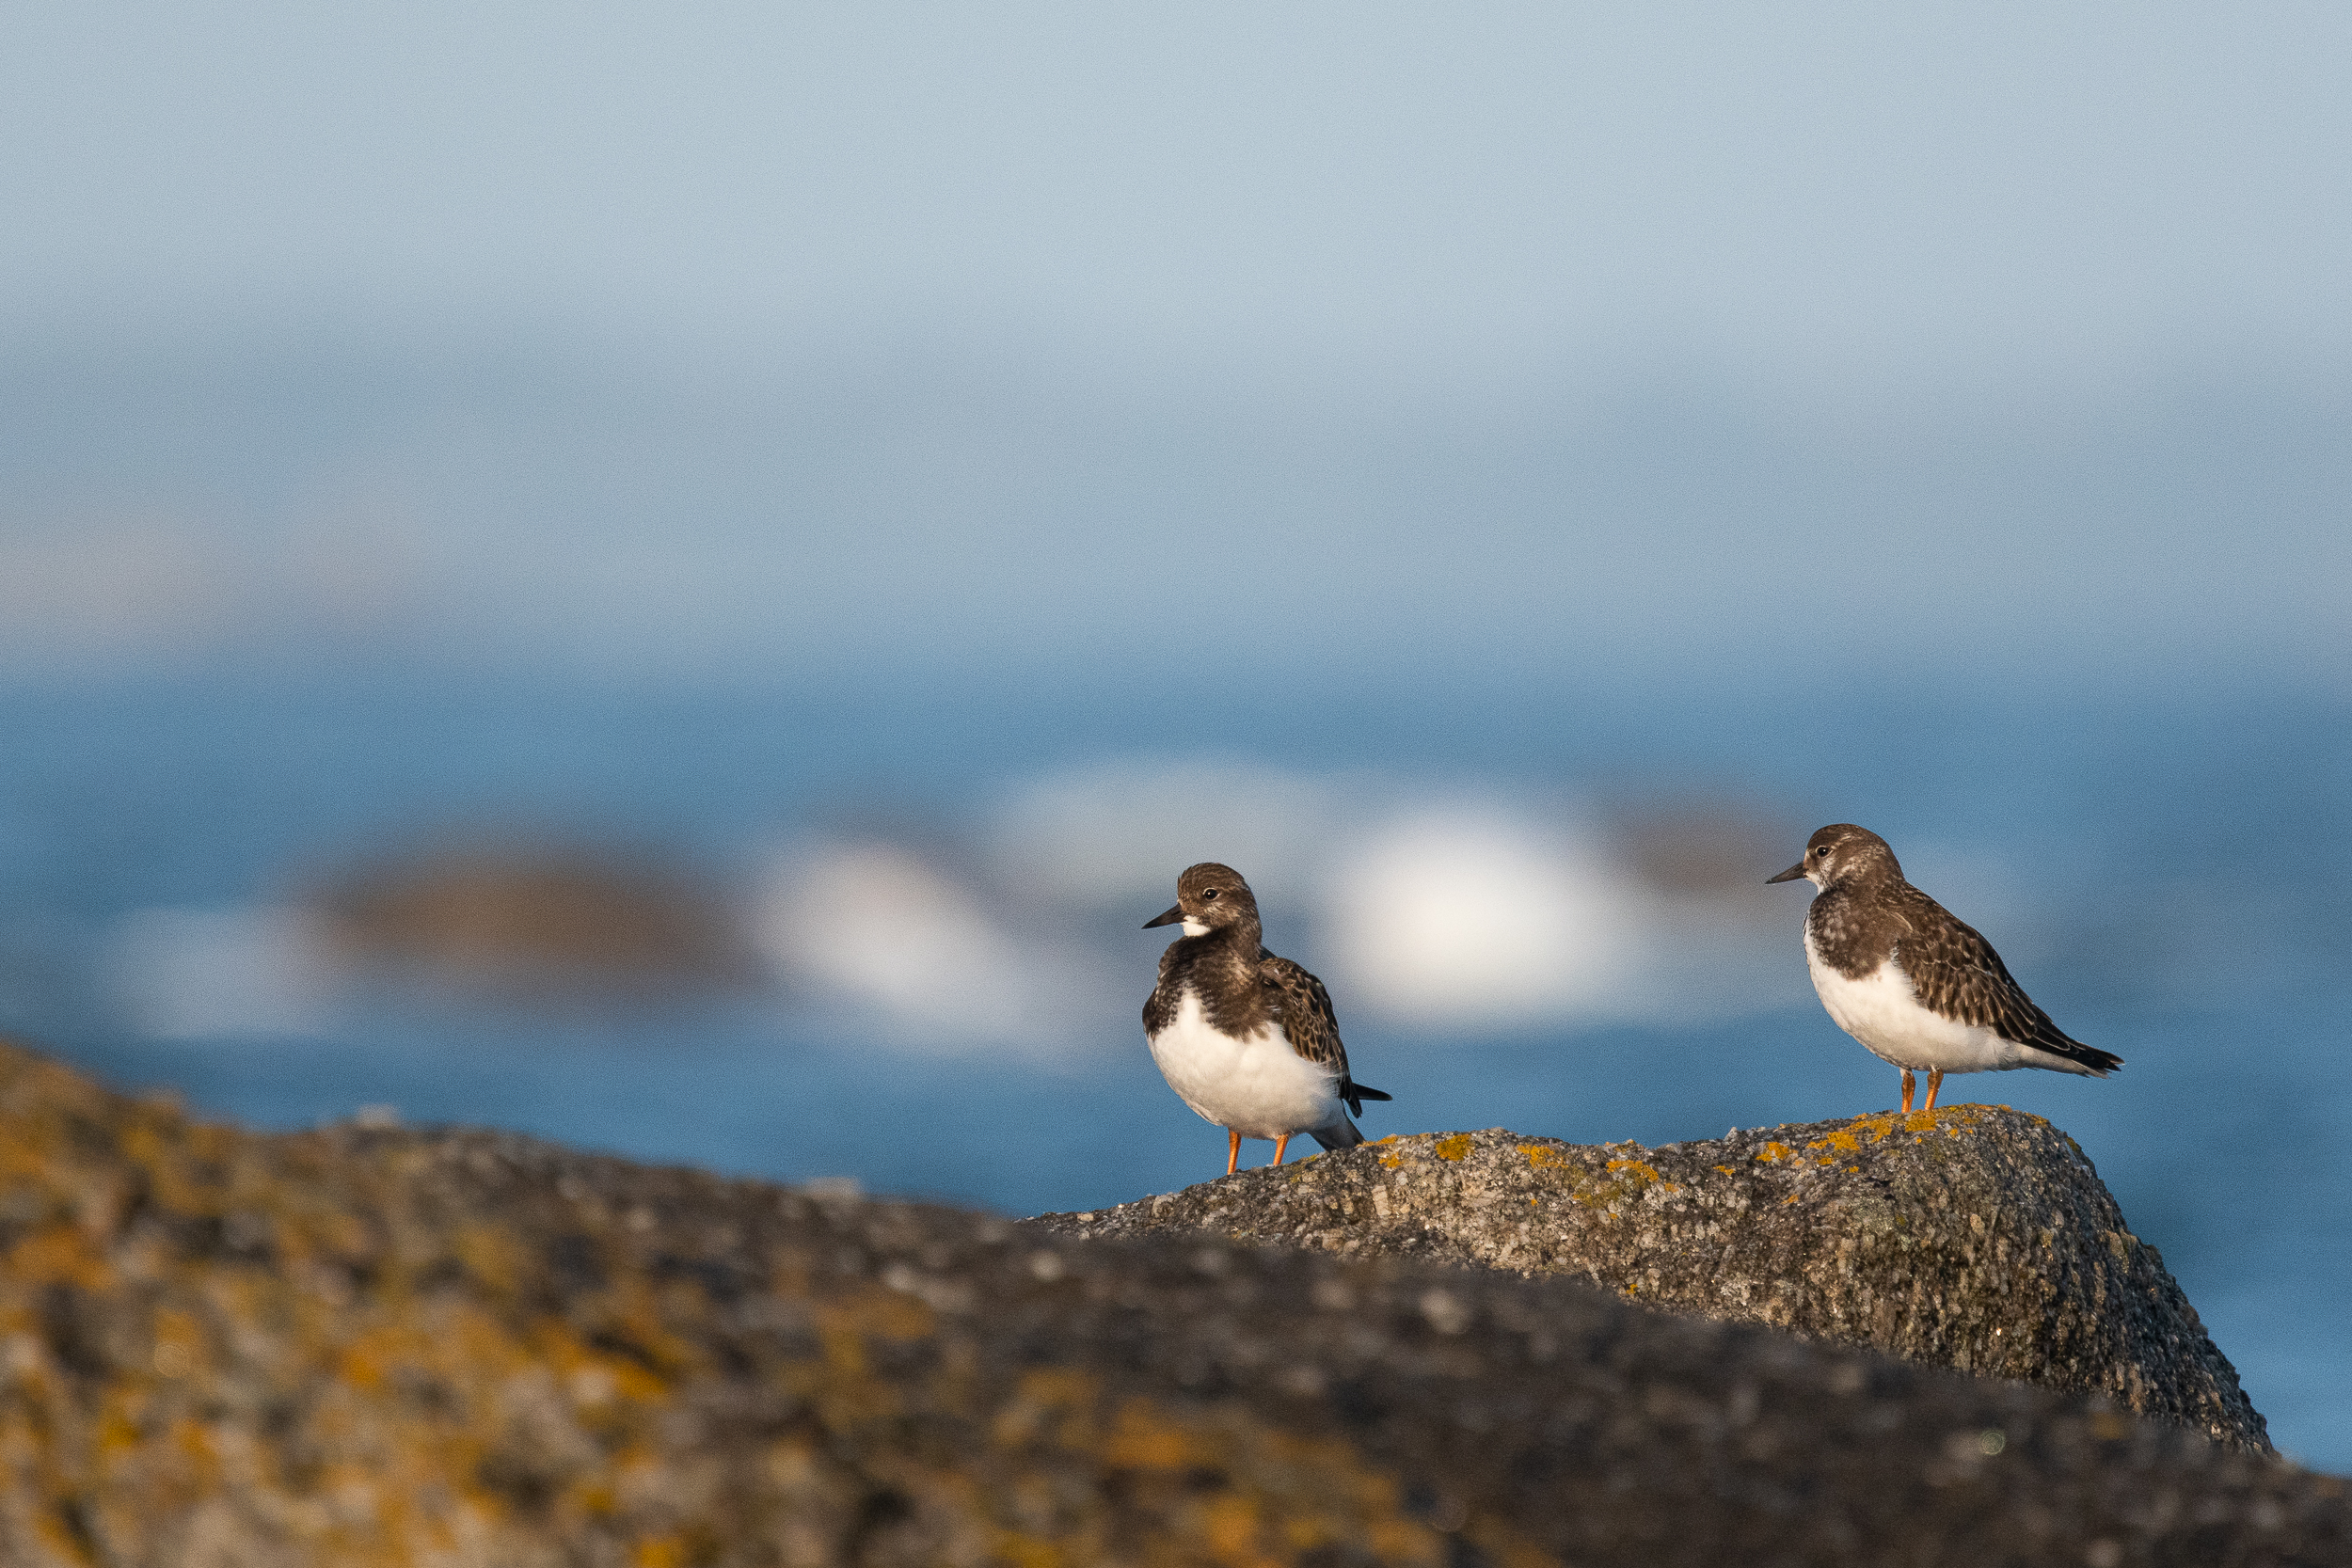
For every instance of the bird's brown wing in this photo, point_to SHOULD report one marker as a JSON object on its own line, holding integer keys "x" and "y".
{"x": 1955, "y": 972}
{"x": 1304, "y": 1009}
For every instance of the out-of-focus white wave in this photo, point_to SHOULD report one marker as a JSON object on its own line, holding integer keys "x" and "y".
{"x": 1425, "y": 908}
{"x": 874, "y": 923}
{"x": 1429, "y": 905}
{"x": 242, "y": 970}
{"x": 1470, "y": 916}
{"x": 931, "y": 960}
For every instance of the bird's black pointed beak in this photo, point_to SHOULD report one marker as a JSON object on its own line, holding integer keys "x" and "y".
{"x": 1170, "y": 918}
{"x": 1789, "y": 876}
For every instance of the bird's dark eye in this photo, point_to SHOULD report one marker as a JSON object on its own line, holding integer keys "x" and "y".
{"x": 1206, "y": 897}
{"x": 1822, "y": 851}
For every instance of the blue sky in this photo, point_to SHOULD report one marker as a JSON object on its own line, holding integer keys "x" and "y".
{"x": 1676, "y": 334}
{"x": 1997, "y": 187}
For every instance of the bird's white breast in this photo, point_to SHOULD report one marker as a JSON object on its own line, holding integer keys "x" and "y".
{"x": 1881, "y": 1011}
{"x": 1255, "y": 1084}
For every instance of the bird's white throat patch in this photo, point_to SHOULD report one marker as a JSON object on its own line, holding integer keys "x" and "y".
{"x": 1194, "y": 929}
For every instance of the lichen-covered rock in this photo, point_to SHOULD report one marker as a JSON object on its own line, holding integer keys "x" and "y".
{"x": 356, "y": 1347}
{"x": 1973, "y": 1236}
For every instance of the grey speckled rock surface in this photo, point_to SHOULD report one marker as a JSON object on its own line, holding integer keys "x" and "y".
{"x": 359, "y": 1347}
{"x": 1973, "y": 1237}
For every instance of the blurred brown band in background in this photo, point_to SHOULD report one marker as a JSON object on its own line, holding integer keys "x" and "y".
{"x": 536, "y": 920}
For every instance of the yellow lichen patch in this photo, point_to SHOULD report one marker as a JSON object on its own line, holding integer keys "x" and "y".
{"x": 365, "y": 1361}
{"x": 1454, "y": 1147}
{"x": 1018, "y": 1550}
{"x": 1229, "y": 1525}
{"x": 1541, "y": 1155}
{"x": 62, "y": 1542}
{"x": 370, "y": 1357}
{"x": 179, "y": 1343}
{"x": 592, "y": 1377}
{"x": 193, "y": 1441}
{"x": 639, "y": 1317}
{"x": 491, "y": 1255}
{"x": 433, "y": 1397}
{"x": 1839, "y": 1139}
{"x": 1391, "y": 1162}
{"x": 1228, "y": 1491}
{"x": 118, "y": 1433}
{"x": 1623, "y": 1179}
{"x": 1953, "y": 1119}
{"x": 59, "y": 1255}
{"x": 1059, "y": 1387}
{"x": 1727, "y": 1170}
{"x": 888, "y": 1315}
{"x": 1773, "y": 1151}
{"x": 1050, "y": 1404}
{"x": 1143, "y": 1439}
{"x": 1510, "y": 1553}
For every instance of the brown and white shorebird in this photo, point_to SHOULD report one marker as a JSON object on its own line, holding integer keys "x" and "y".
{"x": 1916, "y": 986}
{"x": 1245, "y": 1039}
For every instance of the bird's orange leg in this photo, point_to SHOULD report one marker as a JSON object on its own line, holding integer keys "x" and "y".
{"x": 1910, "y": 1086}
{"x": 1280, "y": 1143}
{"x": 1935, "y": 1081}
{"x": 1233, "y": 1151}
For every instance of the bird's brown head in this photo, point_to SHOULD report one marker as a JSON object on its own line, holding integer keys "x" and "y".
{"x": 1842, "y": 852}
{"x": 1209, "y": 898}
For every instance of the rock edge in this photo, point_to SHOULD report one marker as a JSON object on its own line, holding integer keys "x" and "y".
{"x": 384, "y": 1346}
{"x": 1974, "y": 1237}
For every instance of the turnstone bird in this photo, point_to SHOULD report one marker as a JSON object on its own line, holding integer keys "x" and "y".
{"x": 1245, "y": 1039}
{"x": 1917, "y": 987}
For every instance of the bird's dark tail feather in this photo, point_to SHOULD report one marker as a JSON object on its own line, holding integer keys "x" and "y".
{"x": 2100, "y": 1062}
{"x": 2063, "y": 1055}
{"x": 1342, "y": 1136}
{"x": 1355, "y": 1094}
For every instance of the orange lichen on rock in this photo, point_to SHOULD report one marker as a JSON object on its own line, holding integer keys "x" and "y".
{"x": 384, "y": 1346}
{"x": 378, "y": 1347}
{"x": 1759, "y": 1227}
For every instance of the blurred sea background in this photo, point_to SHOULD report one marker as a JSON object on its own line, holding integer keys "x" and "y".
{"x": 685, "y": 581}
